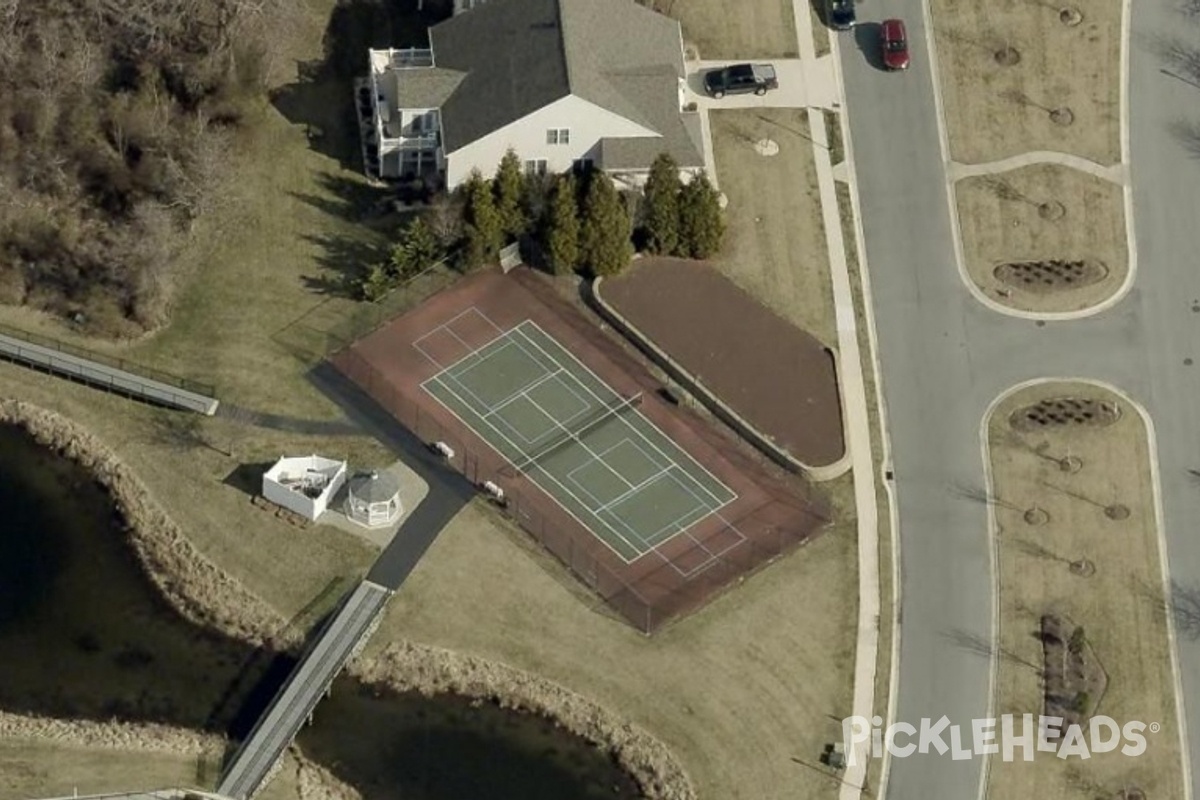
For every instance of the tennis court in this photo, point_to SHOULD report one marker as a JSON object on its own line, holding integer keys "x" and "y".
{"x": 588, "y": 447}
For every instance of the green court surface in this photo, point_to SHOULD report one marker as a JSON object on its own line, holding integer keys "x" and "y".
{"x": 587, "y": 447}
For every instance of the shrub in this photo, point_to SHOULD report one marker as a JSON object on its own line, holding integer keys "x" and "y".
{"x": 483, "y": 229}
{"x": 561, "y": 233}
{"x": 660, "y": 209}
{"x": 701, "y": 223}
{"x": 417, "y": 250}
{"x": 605, "y": 234}
{"x": 509, "y": 186}
{"x": 375, "y": 284}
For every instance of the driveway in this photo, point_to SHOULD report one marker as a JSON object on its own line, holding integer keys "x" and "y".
{"x": 798, "y": 87}
{"x": 945, "y": 358}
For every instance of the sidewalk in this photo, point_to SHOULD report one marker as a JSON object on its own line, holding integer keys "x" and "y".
{"x": 824, "y": 81}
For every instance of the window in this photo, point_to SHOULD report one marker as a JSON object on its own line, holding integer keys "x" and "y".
{"x": 536, "y": 166}
{"x": 558, "y": 136}
{"x": 582, "y": 166}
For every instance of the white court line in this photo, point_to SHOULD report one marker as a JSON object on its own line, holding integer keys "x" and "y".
{"x": 634, "y": 489}
{"x": 701, "y": 467}
{"x": 586, "y": 406}
{"x": 553, "y": 420}
{"x": 573, "y": 436}
{"x": 645, "y": 540}
{"x": 599, "y": 459}
{"x": 571, "y": 477}
{"x": 649, "y": 457}
{"x": 521, "y": 392}
{"x": 446, "y": 325}
{"x": 525, "y": 457}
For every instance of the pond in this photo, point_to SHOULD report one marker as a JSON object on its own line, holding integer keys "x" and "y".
{"x": 87, "y": 636}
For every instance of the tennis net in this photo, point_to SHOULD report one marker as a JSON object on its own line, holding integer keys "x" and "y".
{"x": 592, "y": 420}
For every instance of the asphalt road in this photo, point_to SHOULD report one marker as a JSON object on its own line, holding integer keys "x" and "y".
{"x": 946, "y": 357}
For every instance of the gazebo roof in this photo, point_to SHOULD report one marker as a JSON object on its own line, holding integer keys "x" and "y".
{"x": 374, "y": 487}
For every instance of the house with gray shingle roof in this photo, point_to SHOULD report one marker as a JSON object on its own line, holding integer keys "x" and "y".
{"x": 563, "y": 83}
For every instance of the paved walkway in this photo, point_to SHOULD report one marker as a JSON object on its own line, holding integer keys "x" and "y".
{"x": 814, "y": 84}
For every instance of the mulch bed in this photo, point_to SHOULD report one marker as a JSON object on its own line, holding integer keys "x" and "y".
{"x": 773, "y": 512}
{"x": 778, "y": 378}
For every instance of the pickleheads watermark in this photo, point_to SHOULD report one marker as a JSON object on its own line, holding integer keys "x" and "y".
{"x": 1005, "y": 736}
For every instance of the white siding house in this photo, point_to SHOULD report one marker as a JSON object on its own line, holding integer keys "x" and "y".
{"x": 563, "y": 83}
{"x": 551, "y": 139}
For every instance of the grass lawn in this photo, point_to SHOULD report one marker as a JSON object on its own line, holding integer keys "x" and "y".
{"x": 1120, "y": 606}
{"x": 775, "y": 245}
{"x": 741, "y": 691}
{"x": 747, "y": 691}
{"x": 883, "y": 664}
{"x": 994, "y": 110}
{"x": 37, "y": 768}
{"x": 759, "y": 29}
{"x": 1011, "y": 216}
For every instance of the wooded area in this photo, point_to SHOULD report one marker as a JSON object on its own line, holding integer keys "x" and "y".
{"x": 117, "y": 118}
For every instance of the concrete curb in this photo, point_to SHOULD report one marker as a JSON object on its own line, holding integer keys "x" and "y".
{"x": 866, "y": 654}
{"x": 1156, "y": 490}
{"x": 760, "y": 440}
{"x": 889, "y": 486}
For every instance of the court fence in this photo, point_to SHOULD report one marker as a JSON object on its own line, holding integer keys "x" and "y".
{"x": 648, "y": 592}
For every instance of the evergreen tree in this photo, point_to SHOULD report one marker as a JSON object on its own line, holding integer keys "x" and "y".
{"x": 701, "y": 223}
{"x": 484, "y": 230}
{"x": 561, "y": 235}
{"x": 605, "y": 246}
{"x": 374, "y": 284}
{"x": 509, "y": 187}
{"x": 417, "y": 250}
{"x": 660, "y": 209}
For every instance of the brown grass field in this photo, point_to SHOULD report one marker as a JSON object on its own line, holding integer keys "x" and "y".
{"x": 1002, "y": 220}
{"x": 995, "y": 111}
{"x": 737, "y": 692}
{"x": 760, "y": 29}
{"x": 775, "y": 245}
{"x": 1120, "y": 606}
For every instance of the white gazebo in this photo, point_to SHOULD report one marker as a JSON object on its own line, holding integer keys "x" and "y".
{"x": 374, "y": 499}
{"x": 304, "y": 484}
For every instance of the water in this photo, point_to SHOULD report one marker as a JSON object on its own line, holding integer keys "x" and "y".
{"x": 85, "y": 635}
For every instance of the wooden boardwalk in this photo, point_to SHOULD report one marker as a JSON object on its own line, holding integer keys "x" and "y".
{"x": 259, "y": 755}
{"x": 54, "y": 357}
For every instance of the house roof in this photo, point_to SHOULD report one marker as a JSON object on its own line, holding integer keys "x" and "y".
{"x": 425, "y": 87}
{"x": 657, "y": 96}
{"x": 521, "y": 55}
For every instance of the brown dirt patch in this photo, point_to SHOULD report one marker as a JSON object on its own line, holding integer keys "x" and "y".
{"x": 770, "y": 514}
{"x": 1007, "y": 65}
{"x": 1044, "y": 237}
{"x": 775, "y": 376}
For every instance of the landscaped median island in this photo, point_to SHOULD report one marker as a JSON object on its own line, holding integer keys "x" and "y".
{"x": 714, "y": 333}
{"x": 1019, "y": 76}
{"x": 1083, "y": 633}
{"x": 1043, "y": 237}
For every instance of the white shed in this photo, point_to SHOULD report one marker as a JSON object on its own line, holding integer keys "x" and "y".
{"x": 374, "y": 499}
{"x": 304, "y": 484}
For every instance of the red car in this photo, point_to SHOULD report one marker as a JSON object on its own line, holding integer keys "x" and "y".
{"x": 894, "y": 43}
